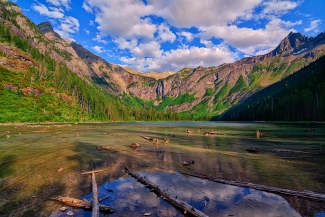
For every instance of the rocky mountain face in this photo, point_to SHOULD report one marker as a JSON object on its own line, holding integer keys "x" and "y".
{"x": 46, "y": 27}
{"x": 202, "y": 91}
{"x": 214, "y": 88}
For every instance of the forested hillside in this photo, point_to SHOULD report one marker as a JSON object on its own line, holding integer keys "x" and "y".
{"x": 44, "y": 77}
{"x": 299, "y": 97}
{"x": 36, "y": 88}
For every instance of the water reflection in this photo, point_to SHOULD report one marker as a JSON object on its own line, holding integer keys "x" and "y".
{"x": 130, "y": 198}
{"x": 38, "y": 149}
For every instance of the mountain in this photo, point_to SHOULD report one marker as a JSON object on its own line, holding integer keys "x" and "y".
{"x": 210, "y": 91}
{"x": 191, "y": 93}
{"x": 203, "y": 92}
{"x": 46, "y": 78}
{"x": 298, "y": 97}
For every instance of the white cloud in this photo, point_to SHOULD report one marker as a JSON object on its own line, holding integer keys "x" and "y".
{"x": 313, "y": 26}
{"x": 52, "y": 13}
{"x": 134, "y": 28}
{"x": 65, "y": 3}
{"x": 98, "y": 49}
{"x": 190, "y": 13}
{"x": 276, "y": 6}
{"x": 189, "y": 36}
{"x": 123, "y": 44}
{"x": 87, "y": 7}
{"x": 174, "y": 60}
{"x": 150, "y": 49}
{"x": 124, "y": 18}
{"x": 87, "y": 31}
{"x": 248, "y": 40}
{"x": 68, "y": 26}
{"x": 207, "y": 43}
{"x": 165, "y": 34}
{"x": 99, "y": 39}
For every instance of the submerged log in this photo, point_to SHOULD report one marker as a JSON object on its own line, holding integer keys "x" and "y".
{"x": 180, "y": 205}
{"x": 212, "y": 133}
{"x": 304, "y": 194}
{"x": 135, "y": 145}
{"x": 85, "y": 204}
{"x": 253, "y": 150}
{"x": 147, "y": 138}
{"x": 187, "y": 163}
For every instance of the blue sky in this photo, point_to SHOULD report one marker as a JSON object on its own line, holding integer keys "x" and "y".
{"x": 168, "y": 35}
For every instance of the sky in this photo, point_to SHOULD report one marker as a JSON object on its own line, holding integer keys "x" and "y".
{"x": 168, "y": 35}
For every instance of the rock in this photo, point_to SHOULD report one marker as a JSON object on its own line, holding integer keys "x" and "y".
{"x": 62, "y": 209}
{"x": 70, "y": 213}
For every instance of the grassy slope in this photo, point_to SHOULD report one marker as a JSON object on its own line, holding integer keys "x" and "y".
{"x": 49, "y": 106}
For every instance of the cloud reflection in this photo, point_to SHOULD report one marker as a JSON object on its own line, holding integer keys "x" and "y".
{"x": 128, "y": 197}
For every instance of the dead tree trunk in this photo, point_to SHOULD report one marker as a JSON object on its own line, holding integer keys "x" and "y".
{"x": 85, "y": 204}
{"x": 95, "y": 203}
{"x": 180, "y": 205}
{"x": 304, "y": 194}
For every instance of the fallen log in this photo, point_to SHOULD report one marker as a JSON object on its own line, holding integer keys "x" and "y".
{"x": 85, "y": 204}
{"x": 304, "y": 194}
{"x": 147, "y": 138}
{"x": 213, "y": 133}
{"x": 180, "y": 205}
{"x": 94, "y": 202}
{"x": 253, "y": 150}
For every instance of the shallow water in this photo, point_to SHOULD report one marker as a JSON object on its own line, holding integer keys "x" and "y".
{"x": 130, "y": 198}
{"x": 40, "y": 150}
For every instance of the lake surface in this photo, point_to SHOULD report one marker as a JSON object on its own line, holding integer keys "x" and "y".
{"x": 130, "y": 198}
{"x": 73, "y": 146}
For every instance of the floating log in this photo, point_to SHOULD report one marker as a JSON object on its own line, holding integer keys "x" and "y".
{"x": 187, "y": 163}
{"x": 304, "y": 194}
{"x": 180, "y": 205}
{"x": 135, "y": 145}
{"x": 212, "y": 133}
{"x": 85, "y": 204}
{"x": 102, "y": 147}
{"x": 147, "y": 138}
{"x": 253, "y": 150}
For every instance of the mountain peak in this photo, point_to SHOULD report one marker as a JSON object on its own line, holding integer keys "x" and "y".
{"x": 46, "y": 27}
{"x": 290, "y": 43}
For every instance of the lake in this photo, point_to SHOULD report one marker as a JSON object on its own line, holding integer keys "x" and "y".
{"x": 38, "y": 161}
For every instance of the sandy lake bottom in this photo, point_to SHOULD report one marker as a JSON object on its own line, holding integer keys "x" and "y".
{"x": 42, "y": 161}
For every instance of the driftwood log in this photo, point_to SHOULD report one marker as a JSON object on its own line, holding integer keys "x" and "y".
{"x": 94, "y": 202}
{"x": 253, "y": 150}
{"x": 180, "y": 205}
{"x": 213, "y": 133}
{"x": 85, "y": 204}
{"x": 303, "y": 194}
{"x": 147, "y": 138}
